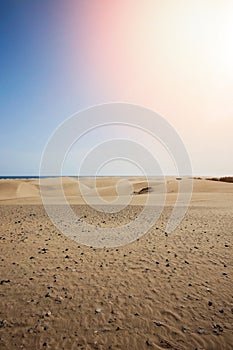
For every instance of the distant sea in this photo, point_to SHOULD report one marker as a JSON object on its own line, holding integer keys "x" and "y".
{"x": 50, "y": 176}
{"x": 24, "y": 177}
{"x": 5, "y": 177}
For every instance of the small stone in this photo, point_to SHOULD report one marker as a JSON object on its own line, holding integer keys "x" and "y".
{"x": 200, "y": 331}
{"x": 2, "y": 323}
{"x": 58, "y": 299}
{"x": 4, "y": 281}
{"x": 49, "y": 313}
{"x": 217, "y": 329}
{"x": 97, "y": 310}
{"x": 210, "y": 303}
{"x": 157, "y": 323}
{"x": 221, "y": 311}
{"x": 184, "y": 330}
{"x": 148, "y": 342}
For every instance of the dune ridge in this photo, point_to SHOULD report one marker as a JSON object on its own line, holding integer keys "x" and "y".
{"x": 14, "y": 191}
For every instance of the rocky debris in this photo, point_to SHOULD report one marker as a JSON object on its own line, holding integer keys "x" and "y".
{"x": 146, "y": 189}
{"x": 43, "y": 250}
{"x": 217, "y": 329}
{"x": 4, "y": 281}
{"x": 97, "y": 310}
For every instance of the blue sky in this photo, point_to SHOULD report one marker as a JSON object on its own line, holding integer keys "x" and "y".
{"x": 37, "y": 90}
{"x": 60, "y": 56}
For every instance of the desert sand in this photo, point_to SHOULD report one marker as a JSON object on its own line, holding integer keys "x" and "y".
{"x": 162, "y": 291}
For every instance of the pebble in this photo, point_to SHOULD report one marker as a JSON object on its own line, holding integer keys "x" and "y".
{"x": 58, "y": 299}
{"x": 200, "y": 331}
{"x": 4, "y": 281}
{"x": 148, "y": 343}
{"x": 184, "y": 330}
{"x": 217, "y": 329}
{"x": 97, "y": 310}
{"x": 2, "y": 323}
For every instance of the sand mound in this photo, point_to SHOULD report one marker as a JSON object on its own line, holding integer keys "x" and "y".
{"x": 19, "y": 190}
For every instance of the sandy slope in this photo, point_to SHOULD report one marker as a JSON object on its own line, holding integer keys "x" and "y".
{"x": 28, "y": 191}
{"x": 159, "y": 292}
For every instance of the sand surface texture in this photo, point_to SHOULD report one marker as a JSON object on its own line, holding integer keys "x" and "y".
{"x": 162, "y": 291}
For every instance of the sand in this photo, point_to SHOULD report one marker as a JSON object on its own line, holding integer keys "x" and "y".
{"x": 162, "y": 291}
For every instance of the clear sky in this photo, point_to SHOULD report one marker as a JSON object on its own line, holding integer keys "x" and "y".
{"x": 172, "y": 56}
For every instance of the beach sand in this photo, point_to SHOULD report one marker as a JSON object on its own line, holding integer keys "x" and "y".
{"x": 162, "y": 291}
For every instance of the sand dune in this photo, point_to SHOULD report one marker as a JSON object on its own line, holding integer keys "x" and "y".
{"x": 28, "y": 190}
{"x": 18, "y": 189}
